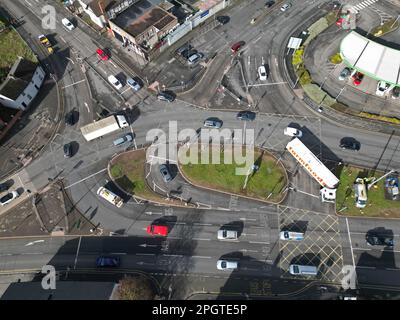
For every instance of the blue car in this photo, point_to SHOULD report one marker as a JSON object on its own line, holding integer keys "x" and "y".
{"x": 103, "y": 261}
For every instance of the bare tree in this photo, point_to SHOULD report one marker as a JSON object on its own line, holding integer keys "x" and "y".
{"x": 135, "y": 288}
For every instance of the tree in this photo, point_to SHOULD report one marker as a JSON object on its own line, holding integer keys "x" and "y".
{"x": 135, "y": 288}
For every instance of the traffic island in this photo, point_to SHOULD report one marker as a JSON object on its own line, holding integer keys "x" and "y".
{"x": 379, "y": 202}
{"x": 265, "y": 180}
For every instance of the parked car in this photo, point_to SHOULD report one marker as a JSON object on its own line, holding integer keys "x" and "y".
{"x": 133, "y": 84}
{"x": 236, "y": 46}
{"x": 165, "y": 173}
{"x": 187, "y": 53}
{"x": 339, "y": 22}
{"x": 115, "y": 82}
{"x": 165, "y": 96}
{"x": 246, "y": 115}
{"x": 396, "y": 93}
{"x": 195, "y": 58}
{"x": 375, "y": 239}
{"x": 269, "y": 4}
{"x": 285, "y": 7}
{"x": 292, "y": 132}
{"x": 382, "y": 88}
{"x": 357, "y": 78}
{"x": 9, "y": 197}
{"x": 157, "y": 230}
{"x": 106, "y": 261}
{"x": 262, "y": 73}
{"x": 70, "y": 118}
{"x": 223, "y": 19}
{"x": 227, "y": 265}
{"x": 124, "y": 139}
{"x": 67, "y": 24}
{"x": 213, "y": 123}
{"x": 102, "y": 55}
{"x": 288, "y": 235}
{"x": 344, "y": 74}
{"x": 225, "y": 234}
{"x": 3, "y": 187}
{"x": 349, "y": 144}
{"x": 67, "y": 150}
{"x": 185, "y": 47}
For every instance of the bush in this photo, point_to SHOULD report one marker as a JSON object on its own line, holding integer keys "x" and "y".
{"x": 135, "y": 288}
{"x": 379, "y": 117}
{"x": 305, "y": 78}
{"x": 297, "y": 57}
{"x": 336, "y": 58}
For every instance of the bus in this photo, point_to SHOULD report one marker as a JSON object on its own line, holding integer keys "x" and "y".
{"x": 110, "y": 197}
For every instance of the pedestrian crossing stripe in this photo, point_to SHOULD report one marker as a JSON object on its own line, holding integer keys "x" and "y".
{"x": 364, "y": 4}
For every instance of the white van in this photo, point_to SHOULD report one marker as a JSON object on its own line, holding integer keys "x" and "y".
{"x": 110, "y": 197}
{"x": 288, "y": 235}
{"x": 361, "y": 195}
{"x": 297, "y": 269}
{"x": 292, "y": 132}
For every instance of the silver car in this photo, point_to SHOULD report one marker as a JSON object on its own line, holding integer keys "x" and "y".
{"x": 165, "y": 173}
{"x": 285, "y": 7}
{"x": 344, "y": 74}
{"x": 224, "y": 234}
{"x": 133, "y": 84}
{"x": 227, "y": 265}
{"x": 9, "y": 197}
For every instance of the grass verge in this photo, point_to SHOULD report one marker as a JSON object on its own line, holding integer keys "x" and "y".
{"x": 266, "y": 183}
{"x": 377, "y": 205}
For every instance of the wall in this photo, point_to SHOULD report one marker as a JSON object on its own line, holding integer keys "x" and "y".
{"x": 100, "y": 21}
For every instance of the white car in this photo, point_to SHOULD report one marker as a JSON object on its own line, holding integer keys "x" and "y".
{"x": 227, "y": 234}
{"x": 262, "y": 73}
{"x": 288, "y": 235}
{"x": 227, "y": 265}
{"x": 9, "y": 197}
{"x": 285, "y": 7}
{"x": 292, "y": 132}
{"x": 382, "y": 88}
{"x": 67, "y": 24}
{"x": 115, "y": 82}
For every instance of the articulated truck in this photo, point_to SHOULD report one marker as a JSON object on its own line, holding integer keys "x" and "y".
{"x": 104, "y": 126}
{"x": 315, "y": 168}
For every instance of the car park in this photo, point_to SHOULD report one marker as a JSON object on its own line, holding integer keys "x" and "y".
{"x": 213, "y": 123}
{"x": 396, "y": 93}
{"x": 236, "y": 46}
{"x": 349, "y": 144}
{"x": 67, "y": 24}
{"x": 165, "y": 96}
{"x": 157, "y": 230}
{"x": 344, "y": 74}
{"x": 269, "y": 4}
{"x": 292, "y": 132}
{"x": 375, "y": 239}
{"x": 102, "y": 55}
{"x": 133, "y": 84}
{"x": 227, "y": 265}
{"x": 195, "y": 58}
{"x": 223, "y": 19}
{"x": 382, "y": 88}
{"x": 357, "y": 78}
{"x": 115, "y": 82}
{"x": 122, "y": 140}
{"x": 246, "y": 115}
{"x": 107, "y": 261}
{"x": 262, "y": 73}
{"x": 165, "y": 173}
{"x": 6, "y": 199}
{"x": 67, "y": 150}
{"x": 288, "y": 235}
{"x": 285, "y": 7}
{"x": 225, "y": 234}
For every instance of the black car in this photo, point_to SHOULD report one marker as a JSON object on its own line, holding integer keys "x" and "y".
{"x": 67, "y": 150}
{"x": 246, "y": 115}
{"x": 269, "y": 4}
{"x": 187, "y": 53}
{"x": 3, "y": 187}
{"x": 104, "y": 261}
{"x": 396, "y": 93}
{"x": 349, "y": 144}
{"x": 185, "y": 47}
{"x": 70, "y": 118}
{"x": 165, "y": 96}
{"x": 379, "y": 240}
{"x": 223, "y": 19}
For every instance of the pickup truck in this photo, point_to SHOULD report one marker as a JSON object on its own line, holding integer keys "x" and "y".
{"x": 45, "y": 42}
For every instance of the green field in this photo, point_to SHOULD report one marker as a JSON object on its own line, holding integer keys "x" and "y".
{"x": 267, "y": 183}
{"x": 377, "y": 205}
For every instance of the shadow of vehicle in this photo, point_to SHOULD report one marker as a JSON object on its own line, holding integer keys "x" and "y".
{"x": 307, "y": 259}
{"x": 169, "y": 221}
{"x": 74, "y": 147}
{"x": 234, "y": 226}
{"x": 296, "y": 226}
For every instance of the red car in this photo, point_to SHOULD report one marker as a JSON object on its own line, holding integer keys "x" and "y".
{"x": 155, "y": 230}
{"x": 236, "y": 46}
{"x": 103, "y": 56}
{"x": 339, "y": 22}
{"x": 357, "y": 78}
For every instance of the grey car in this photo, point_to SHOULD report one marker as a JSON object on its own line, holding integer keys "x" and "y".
{"x": 213, "y": 123}
{"x": 165, "y": 173}
{"x": 344, "y": 74}
{"x": 133, "y": 84}
{"x": 122, "y": 140}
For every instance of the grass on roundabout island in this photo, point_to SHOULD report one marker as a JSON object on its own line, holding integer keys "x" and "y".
{"x": 377, "y": 205}
{"x": 267, "y": 183}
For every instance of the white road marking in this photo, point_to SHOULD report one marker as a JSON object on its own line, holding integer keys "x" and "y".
{"x": 119, "y": 253}
{"x": 351, "y": 247}
{"x": 259, "y": 242}
{"x": 201, "y": 239}
{"x": 145, "y": 254}
{"x": 77, "y": 252}
{"x": 376, "y": 249}
{"x": 64, "y": 41}
{"x": 92, "y": 175}
{"x": 171, "y": 60}
{"x": 28, "y": 2}
{"x": 33, "y": 242}
{"x": 70, "y": 60}
{"x": 172, "y": 255}
{"x": 87, "y": 107}
{"x": 72, "y": 84}
{"x": 201, "y": 257}
{"x": 250, "y": 219}
{"x": 125, "y": 90}
{"x": 112, "y": 63}
{"x": 202, "y": 224}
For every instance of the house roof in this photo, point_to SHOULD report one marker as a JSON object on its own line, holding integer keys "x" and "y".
{"x": 106, "y": 4}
